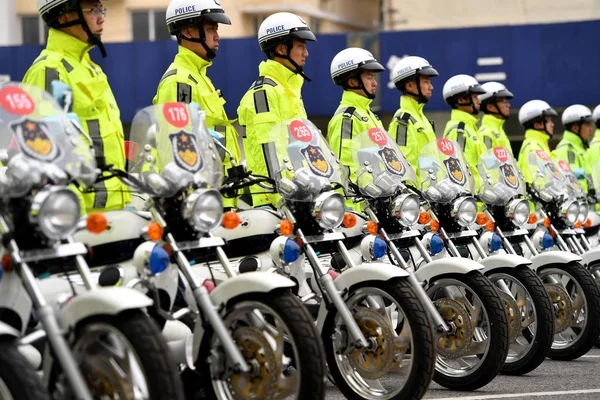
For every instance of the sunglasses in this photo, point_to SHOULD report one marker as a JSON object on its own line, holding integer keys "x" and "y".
{"x": 96, "y": 12}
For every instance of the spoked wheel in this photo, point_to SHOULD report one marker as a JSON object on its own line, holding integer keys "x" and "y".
{"x": 125, "y": 357}
{"x": 594, "y": 269}
{"x": 531, "y": 319}
{"x": 473, "y": 352}
{"x": 576, "y": 301}
{"x": 277, "y": 338}
{"x": 18, "y": 379}
{"x": 398, "y": 363}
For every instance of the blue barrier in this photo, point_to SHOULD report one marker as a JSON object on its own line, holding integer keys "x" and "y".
{"x": 554, "y": 62}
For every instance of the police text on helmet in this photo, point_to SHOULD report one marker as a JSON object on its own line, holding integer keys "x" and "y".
{"x": 185, "y": 10}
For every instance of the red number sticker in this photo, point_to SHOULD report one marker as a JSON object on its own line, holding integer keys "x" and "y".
{"x": 501, "y": 154}
{"x": 564, "y": 166}
{"x": 176, "y": 114}
{"x": 378, "y": 136}
{"x": 300, "y": 131}
{"x": 445, "y": 146}
{"x": 16, "y": 101}
{"x": 542, "y": 155}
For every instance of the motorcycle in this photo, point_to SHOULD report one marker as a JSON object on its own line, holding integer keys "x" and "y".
{"x": 93, "y": 335}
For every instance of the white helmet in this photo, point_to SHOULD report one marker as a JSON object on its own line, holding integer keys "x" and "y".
{"x": 410, "y": 68}
{"x": 459, "y": 86}
{"x": 493, "y": 91}
{"x": 280, "y": 28}
{"x": 596, "y": 116}
{"x": 184, "y": 13}
{"x": 349, "y": 62}
{"x": 534, "y": 110}
{"x": 576, "y": 113}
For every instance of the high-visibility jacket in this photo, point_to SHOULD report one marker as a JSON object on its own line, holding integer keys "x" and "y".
{"x": 492, "y": 132}
{"x": 572, "y": 150}
{"x": 66, "y": 58}
{"x": 534, "y": 140}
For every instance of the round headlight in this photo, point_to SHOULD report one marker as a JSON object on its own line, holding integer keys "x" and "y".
{"x": 329, "y": 210}
{"x": 407, "y": 208}
{"x": 570, "y": 211}
{"x": 465, "y": 210}
{"x": 56, "y": 211}
{"x": 204, "y": 209}
{"x": 518, "y": 211}
{"x": 583, "y": 211}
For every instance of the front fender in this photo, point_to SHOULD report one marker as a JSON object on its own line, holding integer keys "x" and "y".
{"x": 248, "y": 282}
{"x": 553, "y": 257}
{"x": 7, "y": 330}
{"x": 591, "y": 256}
{"x": 448, "y": 265}
{"x": 105, "y": 301}
{"x": 503, "y": 261}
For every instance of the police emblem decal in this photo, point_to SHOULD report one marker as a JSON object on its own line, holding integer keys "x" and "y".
{"x": 554, "y": 170}
{"x": 35, "y": 140}
{"x": 185, "y": 151}
{"x": 455, "y": 172}
{"x": 392, "y": 161}
{"x": 509, "y": 176}
{"x": 316, "y": 160}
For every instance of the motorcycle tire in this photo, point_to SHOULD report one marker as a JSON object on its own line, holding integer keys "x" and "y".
{"x": 588, "y": 337}
{"x": 541, "y": 342}
{"x": 17, "y": 376}
{"x": 422, "y": 346}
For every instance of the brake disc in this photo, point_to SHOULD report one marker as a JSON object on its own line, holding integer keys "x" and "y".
{"x": 261, "y": 381}
{"x": 513, "y": 314}
{"x": 563, "y": 306}
{"x": 377, "y": 359}
{"x": 455, "y": 343}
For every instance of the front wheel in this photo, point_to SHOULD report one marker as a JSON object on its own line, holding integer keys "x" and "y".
{"x": 398, "y": 364}
{"x": 474, "y": 351}
{"x": 277, "y": 337}
{"x": 530, "y": 318}
{"x": 18, "y": 379}
{"x": 576, "y": 300}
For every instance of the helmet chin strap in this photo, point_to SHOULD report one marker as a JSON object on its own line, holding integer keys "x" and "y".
{"x": 298, "y": 69}
{"x": 470, "y": 103}
{"x": 93, "y": 39}
{"x": 210, "y": 53}
{"x": 500, "y": 113}
{"x": 420, "y": 97}
{"x": 361, "y": 86}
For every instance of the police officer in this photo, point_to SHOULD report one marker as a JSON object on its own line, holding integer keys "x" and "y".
{"x": 276, "y": 95}
{"x": 496, "y": 108}
{"x": 409, "y": 127}
{"x": 460, "y": 92}
{"x": 593, "y": 152}
{"x": 75, "y": 28}
{"x": 195, "y": 23}
{"x": 536, "y": 117}
{"x": 579, "y": 129}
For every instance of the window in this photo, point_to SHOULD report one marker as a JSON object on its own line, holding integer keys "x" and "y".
{"x": 34, "y": 29}
{"x": 149, "y": 25}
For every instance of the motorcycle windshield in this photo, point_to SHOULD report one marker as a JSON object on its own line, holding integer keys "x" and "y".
{"x": 574, "y": 188}
{"x": 444, "y": 171}
{"x": 380, "y": 165}
{"x": 39, "y": 143}
{"x": 548, "y": 181}
{"x": 596, "y": 178}
{"x": 300, "y": 160}
{"x": 171, "y": 150}
{"x": 502, "y": 178}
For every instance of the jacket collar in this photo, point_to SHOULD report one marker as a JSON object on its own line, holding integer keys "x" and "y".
{"x": 574, "y": 139}
{"x": 281, "y": 74}
{"x": 186, "y": 57}
{"x": 64, "y": 43}
{"x": 493, "y": 122}
{"x": 539, "y": 137}
{"x": 356, "y": 100}
{"x": 408, "y": 103}
{"x": 461, "y": 116}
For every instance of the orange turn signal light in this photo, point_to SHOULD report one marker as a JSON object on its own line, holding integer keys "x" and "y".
{"x": 588, "y": 223}
{"x": 231, "y": 220}
{"x": 481, "y": 219}
{"x": 578, "y": 224}
{"x": 298, "y": 241}
{"x": 424, "y": 218}
{"x": 286, "y": 227}
{"x": 372, "y": 227}
{"x": 552, "y": 233}
{"x": 96, "y": 222}
{"x": 490, "y": 226}
{"x": 155, "y": 231}
{"x": 547, "y": 222}
{"x": 7, "y": 263}
{"x": 532, "y": 218}
{"x": 349, "y": 220}
{"x": 435, "y": 225}
{"x": 168, "y": 249}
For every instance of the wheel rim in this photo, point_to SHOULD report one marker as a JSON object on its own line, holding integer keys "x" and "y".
{"x": 266, "y": 344}
{"x": 109, "y": 363}
{"x": 382, "y": 321}
{"x": 526, "y": 315}
{"x": 4, "y": 391}
{"x": 571, "y": 334}
{"x": 469, "y": 358}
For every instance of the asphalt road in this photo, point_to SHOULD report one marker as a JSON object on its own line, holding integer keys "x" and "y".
{"x": 553, "y": 380}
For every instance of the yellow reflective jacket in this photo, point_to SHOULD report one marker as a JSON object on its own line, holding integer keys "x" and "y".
{"x": 462, "y": 128}
{"x": 572, "y": 150}
{"x": 492, "y": 132}
{"x": 411, "y": 130}
{"x": 186, "y": 81}
{"x": 534, "y": 140}
{"x": 273, "y": 98}
{"x": 66, "y": 58}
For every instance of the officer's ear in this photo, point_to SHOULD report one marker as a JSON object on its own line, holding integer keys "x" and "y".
{"x": 187, "y": 32}
{"x": 411, "y": 86}
{"x": 281, "y": 49}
